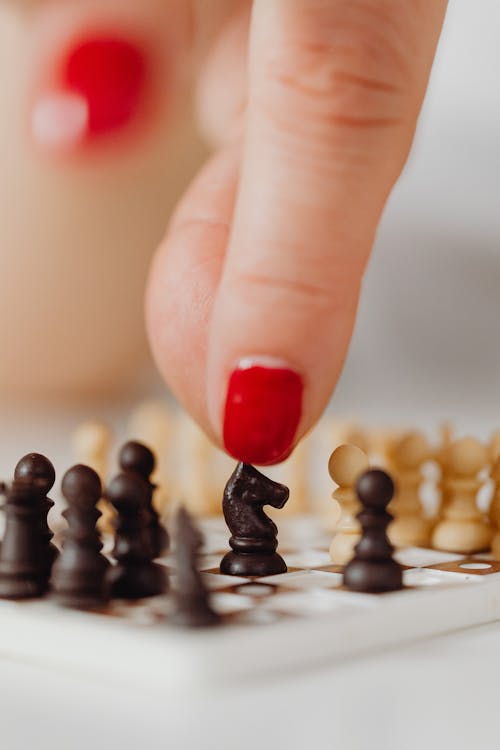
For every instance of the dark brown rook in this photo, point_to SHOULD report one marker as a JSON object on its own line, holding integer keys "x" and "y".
{"x": 23, "y": 570}
{"x": 78, "y": 576}
{"x": 135, "y": 576}
{"x": 139, "y": 459}
{"x": 35, "y": 467}
{"x": 373, "y": 569}
{"x": 254, "y": 536}
{"x": 191, "y": 598}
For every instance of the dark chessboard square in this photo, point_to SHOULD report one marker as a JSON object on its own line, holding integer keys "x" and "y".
{"x": 330, "y": 568}
{"x": 470, "y": 565}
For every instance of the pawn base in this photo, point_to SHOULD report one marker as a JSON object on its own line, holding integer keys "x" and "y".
{"x": 17, "y": 588}
{"x": 84, "y": 601}
{"x": 371, "y": 577}
{"x": 248, "y": 565}
{"x": 136, "y": 581}
{"x": 463, "y": 537}
{"x": 410, "y": 531}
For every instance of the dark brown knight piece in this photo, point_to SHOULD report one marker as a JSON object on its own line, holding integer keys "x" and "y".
{"x": 254, "y": 535}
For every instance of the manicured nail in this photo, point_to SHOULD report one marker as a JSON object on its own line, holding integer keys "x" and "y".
{"x": 262, "y": 412}
{"x": 99, "y": 90}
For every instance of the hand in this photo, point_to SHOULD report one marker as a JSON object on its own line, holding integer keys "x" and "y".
{"x": 253, "y": 293}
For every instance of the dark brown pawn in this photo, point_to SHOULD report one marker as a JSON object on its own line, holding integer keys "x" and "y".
{"x": 31, "y": 467}
{"x": 373, "y": 569}
{"x": 135, "y": 576}
{"x": 78, "y": 576}
{"x": 23, "y": 572}
{"x": 254, "y": 536}
{"x": 138, "y": 458}
{"x": 191, "y": 597}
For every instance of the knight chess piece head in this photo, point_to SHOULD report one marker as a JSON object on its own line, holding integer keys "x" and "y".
{"x": 254, "y": 535}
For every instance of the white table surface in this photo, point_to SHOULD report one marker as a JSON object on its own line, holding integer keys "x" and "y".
{"x": 445, "y": 361}
{"x": 442, "y": 693}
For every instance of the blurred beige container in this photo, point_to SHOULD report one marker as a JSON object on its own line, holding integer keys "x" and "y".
{"x": 76, "y": 238}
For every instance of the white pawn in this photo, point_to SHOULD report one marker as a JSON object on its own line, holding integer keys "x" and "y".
{"x": 461, "y": 526}
{"x": 494, "y": 511}
{"x": 495, "y": 446}
{"x": 91, "y": 445}
{"x": 151, "y": 423}
{"x": 446, "y": 432}
{"x": 345, "y": 466}
{"x": 295, "y": 474}
{"x": 195, "y": 470}
{"x": 406, "y": 457}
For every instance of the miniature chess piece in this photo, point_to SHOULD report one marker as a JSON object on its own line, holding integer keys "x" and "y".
{"x": 336, "y": 431}
{"x": 191, "y": 596}
{"x": 91, "y": 447}
{"x": 461, "y": 526}
{"x": 139, "y": 459}
{"x": 373, "y": 570}
{"x": 494, "y": 446}
{"x": 296, "y": 470}
{"x": 195, "y": 470}
{"x": 254, "y": 535}
{"x": 446, "y": 432}
{"x": 152, "y": 423}
{"x": 135, "y": 576}
{"x": 406, "y": 457}
{"x": 494, "y": 510}
{"x": 23, "y": 555}
{"x": 38, "y": 468}
{"x": 346, "y": 464}
{"x": 294, "y": 473}
{"x": 78, "y": 576}
{"x": 91, "y": 444}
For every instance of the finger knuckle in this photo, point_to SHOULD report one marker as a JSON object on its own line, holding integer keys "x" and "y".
{"x": 301, "y": 297}
{"x": 351, "y": 74}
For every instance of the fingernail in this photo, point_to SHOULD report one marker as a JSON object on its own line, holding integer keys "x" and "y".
{"x": 262, "y": 413}
{"x": 99, "y": 90}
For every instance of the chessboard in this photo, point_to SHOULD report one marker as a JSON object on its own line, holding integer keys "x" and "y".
{"x": 300, "y": 619}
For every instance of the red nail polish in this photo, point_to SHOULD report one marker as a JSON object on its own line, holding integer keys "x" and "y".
{"x": 109, "y": 74}
{"x": 262, "y": 413}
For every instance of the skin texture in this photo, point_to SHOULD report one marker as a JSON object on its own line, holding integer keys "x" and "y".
{"x": 311, "y": 107}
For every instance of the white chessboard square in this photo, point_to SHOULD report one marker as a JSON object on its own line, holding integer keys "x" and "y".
{"x": 308, "y": 559}
{"x": 310, "y": 579}
{"x": 216, "y": 581}
{"x": 418, "y": 557}
{"x": 208, "y": 562}
{"x": 281, "y": 578}
{"x": 226, "y": 604}
{"x": 215, "y": 543}
{"x": 256, "y": 589}
{"x": 426, "y": 577}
